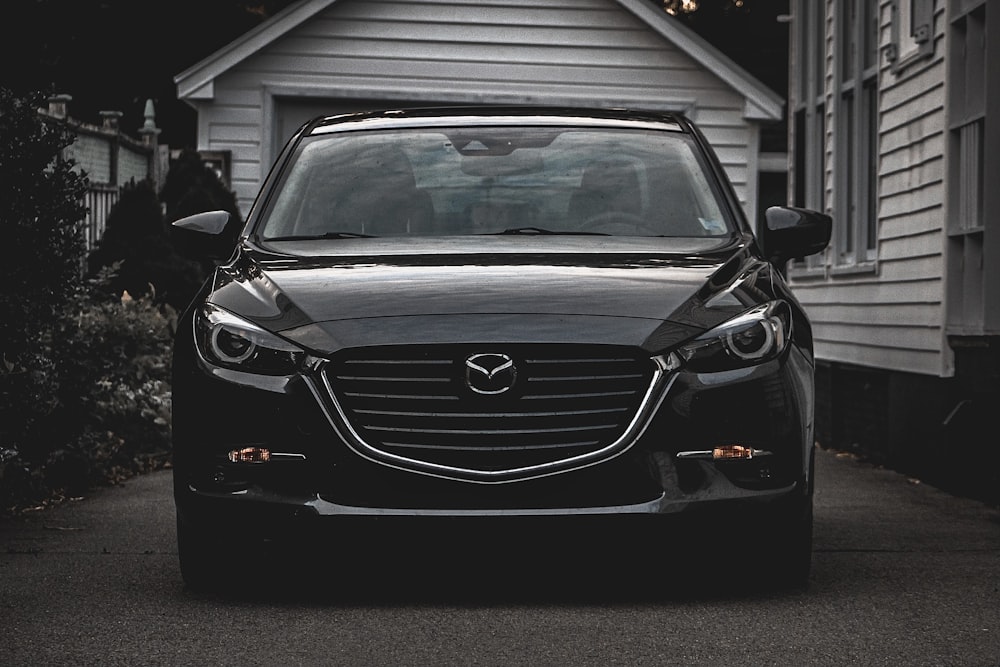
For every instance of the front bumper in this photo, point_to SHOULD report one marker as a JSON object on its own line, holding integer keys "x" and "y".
{"x": 768, "y": 407}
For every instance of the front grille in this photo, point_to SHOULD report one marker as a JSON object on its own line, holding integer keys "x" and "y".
{"x": 415, "y": 402}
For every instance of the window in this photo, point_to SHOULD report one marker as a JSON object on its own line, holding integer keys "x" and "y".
{"x": 856, "y": 132}
{"x": 487, "y": 179}
{"x": 973, "y": 169}
{"x": 967, "y": 117}
{"x": 912, "y": 32}
{"x": 809, "y": 118}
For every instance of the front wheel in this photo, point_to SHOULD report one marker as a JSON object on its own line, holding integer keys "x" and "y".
{"x": 206, "y": 561}
{"x": 784, "y": 555}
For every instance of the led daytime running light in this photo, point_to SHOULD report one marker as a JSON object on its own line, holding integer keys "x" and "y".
{"x": 230, "y": 341}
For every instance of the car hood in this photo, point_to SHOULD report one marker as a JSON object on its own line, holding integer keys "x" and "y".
{"x": 328, "y": 296}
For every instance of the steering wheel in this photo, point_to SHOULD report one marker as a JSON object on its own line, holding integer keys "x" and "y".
{"x": 622, "y": 222}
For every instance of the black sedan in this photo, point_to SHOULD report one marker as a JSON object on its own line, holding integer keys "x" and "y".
{"x": 486, "y": 313}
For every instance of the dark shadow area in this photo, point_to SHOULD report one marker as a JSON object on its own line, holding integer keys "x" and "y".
{"x": 469, "y": 566}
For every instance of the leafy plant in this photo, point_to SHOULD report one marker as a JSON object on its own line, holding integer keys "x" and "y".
{"x": 84, "y": 377}
{"x": 40, "y": 220}
{"x": 40, "y": 223}
{"x": 136, "y": 242}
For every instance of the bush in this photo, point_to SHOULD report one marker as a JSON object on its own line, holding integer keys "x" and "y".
{"x": 101, "y": 388}
{"x": 138, "y": 238}
{"x": 136, "y": 241}
{"x": 191, "y": 187}
{"x": 114, "y": 388}
{"x": 84, "y": 377}
{"x": 40, "y": 222}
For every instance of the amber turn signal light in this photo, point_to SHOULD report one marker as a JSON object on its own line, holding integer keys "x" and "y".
{"x": 729, "y": 452}
{"x": 250, "y": 455}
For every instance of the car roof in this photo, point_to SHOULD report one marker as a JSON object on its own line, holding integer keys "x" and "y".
{"x": 498, "y": 115}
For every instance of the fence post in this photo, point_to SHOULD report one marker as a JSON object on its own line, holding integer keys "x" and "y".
{"x": 150, "y": 137}
{"x": 59, "y": 106}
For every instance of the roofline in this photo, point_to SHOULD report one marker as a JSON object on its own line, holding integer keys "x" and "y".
{"x": 203, "y": 73}
{"x": 762, "y": 103}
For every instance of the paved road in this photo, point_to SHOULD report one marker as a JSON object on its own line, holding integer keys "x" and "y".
{"x": 903, "y": 575}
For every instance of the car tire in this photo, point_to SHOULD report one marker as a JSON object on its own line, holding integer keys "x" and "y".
{"x": 202, "y": 559}
{"x": 786, "y": 554}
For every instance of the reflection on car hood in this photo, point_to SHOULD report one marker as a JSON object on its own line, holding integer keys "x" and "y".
{"x": 561, "y": 291}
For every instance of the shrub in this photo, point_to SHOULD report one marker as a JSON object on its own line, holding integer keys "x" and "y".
{"x": 191, "y": 187}
{"x": 105, "y": 415}
{"x": 84, "y": 378}
{"x": 138, "y": 238}
{"x": 137, "y": 243}
{"x": 40, "y": 223}
{"x": 114, "y": 388}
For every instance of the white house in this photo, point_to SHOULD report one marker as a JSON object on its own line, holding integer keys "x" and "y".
{"x": 322, "y": 57}
{"x": 895, "y": 131}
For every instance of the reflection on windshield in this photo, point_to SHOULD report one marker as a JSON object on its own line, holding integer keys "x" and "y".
{"x": 488, "y": 180}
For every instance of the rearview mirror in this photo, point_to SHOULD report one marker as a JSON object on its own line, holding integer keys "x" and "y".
{"x": 493, "y": 166}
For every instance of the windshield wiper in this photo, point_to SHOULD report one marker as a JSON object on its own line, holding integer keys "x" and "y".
{"x": 319, "y": 237}
{"x": 513, "y": 231}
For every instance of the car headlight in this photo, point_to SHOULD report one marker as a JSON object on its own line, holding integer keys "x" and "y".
{"x": 755, "y": 336}
{"x": 231, "y": 342}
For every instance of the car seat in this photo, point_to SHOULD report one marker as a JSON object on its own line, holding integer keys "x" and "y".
{"x": 607, "y": 185}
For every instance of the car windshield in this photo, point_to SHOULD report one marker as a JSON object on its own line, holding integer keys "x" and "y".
{"x": 495, "y": 180}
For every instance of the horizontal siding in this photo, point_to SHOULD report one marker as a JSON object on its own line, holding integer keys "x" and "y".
{"x": 892, "y": 317}
{"x": 862, "y": 293}
{"x": 914, "y": 248}
{"x": 924, "y": 124}
{"x": 919, "y": 173}
{"x": 435, "y": 51}
{"x": 528, "y": 14}
{"x": 900, "y": 95}
{"x": 916, "y": 315}
{"x": 913, "y": 154}
{"x": 421, "y": 70}
{"x": 913, "y": 269}
{"x": 917, "y": 199}
{"x": 570, "y": 54}
{"x": 400, "y": 32}
{"x": 905, "y": 337}
{"x": 911, "y": 221}
{"x": 926, "y": 362}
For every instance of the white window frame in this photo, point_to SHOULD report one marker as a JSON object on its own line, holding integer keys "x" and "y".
{"x": 856, "y": 136}
{"x": 912, "y": 32}
{"x": 809, "y": 120}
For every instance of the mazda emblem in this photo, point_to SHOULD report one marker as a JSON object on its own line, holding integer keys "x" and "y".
{"x": 490, "y": 374}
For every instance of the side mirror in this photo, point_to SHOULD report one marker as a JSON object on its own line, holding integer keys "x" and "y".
{"x": 201, "y": 236}
{"x": 791, "y": 232}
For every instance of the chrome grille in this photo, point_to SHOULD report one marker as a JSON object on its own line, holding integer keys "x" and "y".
{"x": 414, "y": 402}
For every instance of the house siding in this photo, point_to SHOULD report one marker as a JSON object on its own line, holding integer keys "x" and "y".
{"x": 890, "y": 313}
{"x": 434, "y": 51}
{"x": 895, "y": 382}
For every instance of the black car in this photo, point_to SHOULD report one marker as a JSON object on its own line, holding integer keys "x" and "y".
{"x": 496, "y": 313}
